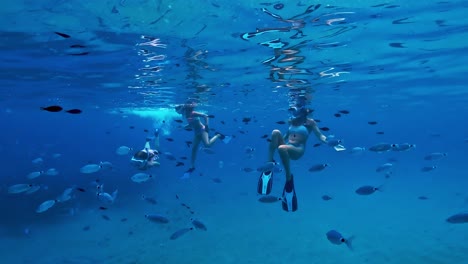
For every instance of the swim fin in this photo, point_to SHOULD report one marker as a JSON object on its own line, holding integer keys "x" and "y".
{"x": 265, "y": 182}
{"x": 289, "y": 201}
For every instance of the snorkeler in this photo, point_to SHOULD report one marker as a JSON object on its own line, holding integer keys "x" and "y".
{"x": 290, "y": 147}
{"x": 147, "y": 157}
{"x": 200, "y": 129}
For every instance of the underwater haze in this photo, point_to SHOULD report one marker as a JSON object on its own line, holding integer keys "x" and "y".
{"x": 85, "y": 84}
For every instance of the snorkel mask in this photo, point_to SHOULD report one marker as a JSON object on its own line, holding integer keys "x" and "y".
{"x": 298, "y": 112}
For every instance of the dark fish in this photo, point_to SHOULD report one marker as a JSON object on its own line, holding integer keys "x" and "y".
{"x": 326, "y": 197}
{"x": 170, "y": 139}
{"x": 269, "y": 199}
{"x": 264, "y": 136}
{"x": 216, "y": 180}
{"x": 157, "y": 218}
{"x": 324, "y": 128}
{"x": 180, "y": 233}
{"x": 337, "y": 115}
{"x": 372, "y": 122}
{"x": 422, "y": 197}
{"x": 86, "y": 228}
{"x": 105, "y": 217}
{"x": 344, "y": 112}
{"x": 198, "y": 224}
{"x": 278, "y": 6}
{"x": 81, "y": 189}
{"x": 379, "y": 132}
{"x": 460, "y": 218}
{"x": 74, "y": 111}
{"x": 145, "y": 130}
{"x": 52, "y": 108}
{"x": 280, "y": 122}
{"x": 428, "y": 168}
{"x": 246, "y": 120}
{"x": 318, "y": 167}
{"x": 396, "y": 45}
{"x": 179, "y": 121}
{"x": 247, "y": 169}
{"x": 178, "y": 164}
{"x": 367, "y": 190}
{"x": 123, "y": 220}
{"x": 188, "y": 143}
{"x": 102, "y": 208}
{"x": 222, "y": 122}
{"x": 211, "y": 116}
{"x": 149, "y": 199}
{"x": 77, "y": 46}
{"x": 114, "y": 10}
{"x": 131, "y": 127}
{"x": 63, "y": 35}
{"x": 317, "y": 145}
{"x": 79, "y": 53}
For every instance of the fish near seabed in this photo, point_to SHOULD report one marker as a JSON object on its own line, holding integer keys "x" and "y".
{"x": 336, "y": 238}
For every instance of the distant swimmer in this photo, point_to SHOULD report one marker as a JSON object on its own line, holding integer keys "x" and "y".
{"x": 290, "y": 147}
{"x": 200, "y": 129}
{"x": 147, "y": 157}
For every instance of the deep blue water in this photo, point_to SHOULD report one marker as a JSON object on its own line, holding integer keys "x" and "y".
{"x": 400, "y": 64}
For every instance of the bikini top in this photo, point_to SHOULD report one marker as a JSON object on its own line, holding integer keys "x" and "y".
{"x": 302, "y": 130}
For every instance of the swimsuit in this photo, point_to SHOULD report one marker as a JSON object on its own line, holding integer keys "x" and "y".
{"x": 196, "y": 124}
{"x": 301, "y": 130}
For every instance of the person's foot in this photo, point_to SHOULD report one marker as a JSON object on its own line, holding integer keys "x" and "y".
{"x": 156, "y": 132}
{"x": 221, "y": 136}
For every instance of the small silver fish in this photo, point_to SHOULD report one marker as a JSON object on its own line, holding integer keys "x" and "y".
{"x": 336, "y": 238}
{"x": 157, "y": 218}
{"x": 34, "y": 174}
{"x": 435, "y": 156}
{"x": 90, "y": 168}
{"x": 381, "y": 147}
{"x": 19, "y": 188}
{"x": 403, "y": 147}
{"x": 384, "y": 167}
{"x": 141, "y": 177}
{"x": 123, "y": 150}
{"x": 45, "y": 206}
{"x": 106, "y": 197}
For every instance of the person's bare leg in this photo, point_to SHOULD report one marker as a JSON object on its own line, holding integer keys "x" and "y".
{"x": 276, "y": 140}
{"x": 196, "y": 143}
{"x": 288, "y": 152}
{"x": 208, "y": 142}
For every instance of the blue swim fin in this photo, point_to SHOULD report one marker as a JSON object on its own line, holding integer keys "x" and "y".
{"x": 265, "y": 183}
{"x": 289, "y": 201}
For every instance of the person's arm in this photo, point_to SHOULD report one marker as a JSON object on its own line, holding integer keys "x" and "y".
{"x": 205, "y": 116}
{"x": 312, "y": 125}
